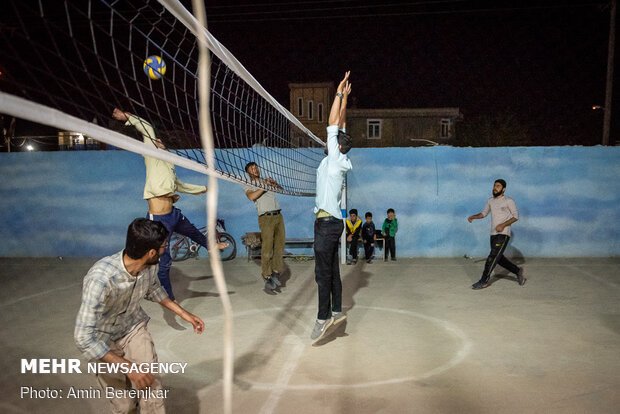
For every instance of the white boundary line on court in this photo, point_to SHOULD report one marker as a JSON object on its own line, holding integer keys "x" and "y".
{"x": 597, "y": 278}
{"x": 454, "y": 331}
{"x": 285, "y": 375}
{"x": 34, "y": 295}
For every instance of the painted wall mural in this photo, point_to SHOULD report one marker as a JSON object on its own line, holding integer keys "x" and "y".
{"x": 80, "y": 203}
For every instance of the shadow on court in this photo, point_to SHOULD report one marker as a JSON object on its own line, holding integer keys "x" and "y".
{"x": 182, "y": 291}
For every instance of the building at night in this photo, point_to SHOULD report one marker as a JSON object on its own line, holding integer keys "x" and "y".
{"x": 401, "y": 127}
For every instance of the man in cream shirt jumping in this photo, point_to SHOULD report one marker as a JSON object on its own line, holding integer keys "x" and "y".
{"x": 160, "y": 190}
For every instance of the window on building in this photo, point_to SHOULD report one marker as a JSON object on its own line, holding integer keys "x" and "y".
{"x": 300, "y": 107}
{"x": 320, "y": 112}
{"x": 446, "y": 125}
{"x": 310, "y": 110}
{"x": 374, "y": 128}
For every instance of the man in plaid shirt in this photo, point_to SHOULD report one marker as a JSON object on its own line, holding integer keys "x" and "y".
{"x": 111, "y": 326}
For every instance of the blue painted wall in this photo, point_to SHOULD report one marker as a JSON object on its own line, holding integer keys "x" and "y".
{"x": 80, "y": 203}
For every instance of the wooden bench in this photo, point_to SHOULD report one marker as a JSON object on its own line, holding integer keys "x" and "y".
{"x": 308, "y": 243}
{"x": 255, "y": 252}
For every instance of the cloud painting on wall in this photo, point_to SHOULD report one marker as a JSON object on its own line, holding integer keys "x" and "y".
{"x": 80, "y": 203}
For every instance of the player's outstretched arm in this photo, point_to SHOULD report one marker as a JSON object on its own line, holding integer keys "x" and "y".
{"x": 187, "y": 188}
{"x": 343, "y": 105}
{"x": 197, "y": 323}
{"x": 334, "y": 113}
{"x": 475, "y": 217}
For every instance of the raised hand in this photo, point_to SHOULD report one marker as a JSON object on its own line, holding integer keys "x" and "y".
{"x": 344, "y": 82}
{"x": 347, "y": 88}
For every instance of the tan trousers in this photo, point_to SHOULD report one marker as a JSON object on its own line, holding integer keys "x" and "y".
{"x": 137, "y": 346}
{"x": 272, "y": 243}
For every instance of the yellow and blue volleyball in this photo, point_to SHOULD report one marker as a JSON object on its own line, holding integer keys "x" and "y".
{"x": 154, "y": 67}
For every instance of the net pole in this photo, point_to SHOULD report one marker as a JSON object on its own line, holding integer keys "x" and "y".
{"x": 206, "y": 136}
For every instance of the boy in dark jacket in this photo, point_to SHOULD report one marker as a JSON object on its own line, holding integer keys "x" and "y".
{"x": 368, "y": 236}
{"x": 389, "y": 229}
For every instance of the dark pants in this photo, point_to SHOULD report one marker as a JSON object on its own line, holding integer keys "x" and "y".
{"x": 369, "y": 249}
{"x": 327, "y": 232}
{"x": 353, "y": 247}
{"x": 496, "y": 256}
{"x": 175, "y": 222}
{"x": 389, "y": 246}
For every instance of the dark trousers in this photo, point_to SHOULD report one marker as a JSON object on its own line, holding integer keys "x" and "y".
{"x": 389, "y": 246}
{"x": 327, "y": 232}
{"x": 369, "y": 249}
{"x": 353, "y": 247}
{"x": 175, "y": 222}
{"x": 496, "y": 257}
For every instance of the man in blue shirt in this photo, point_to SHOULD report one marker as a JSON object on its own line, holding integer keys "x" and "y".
{"x": 328, "y": 226}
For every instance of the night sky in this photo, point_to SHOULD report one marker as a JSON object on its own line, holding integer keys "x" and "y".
{"x": 543, "y": 62}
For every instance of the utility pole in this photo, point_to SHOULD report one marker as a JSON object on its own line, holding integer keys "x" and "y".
{"x": 11, "y": 134}
{"x": 610, "y": 72}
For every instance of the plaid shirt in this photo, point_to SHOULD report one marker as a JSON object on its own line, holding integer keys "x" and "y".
{"x": 111, "y": 304}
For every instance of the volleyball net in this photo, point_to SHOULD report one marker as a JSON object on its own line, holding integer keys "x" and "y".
{"x": 69, "y": 63}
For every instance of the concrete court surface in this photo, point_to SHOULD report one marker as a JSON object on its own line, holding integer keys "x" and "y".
{"x": 417, "y": 338}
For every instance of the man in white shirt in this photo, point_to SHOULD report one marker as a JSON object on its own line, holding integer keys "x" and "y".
{"x": 328, "y": 226}
{"x": 271, "y": 224}
{"x": 503, "y": 213}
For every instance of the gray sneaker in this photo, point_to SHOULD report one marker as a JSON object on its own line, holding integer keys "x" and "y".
{"x": 521, "y": 277}
{"x": 275, "y": 276}
{"x": 338, "y": 317}
{"x": 270, "y": 284}
{"x": 320, "y": 328}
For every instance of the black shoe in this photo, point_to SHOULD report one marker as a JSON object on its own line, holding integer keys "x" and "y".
{"x": 479, "y": 285}
{"x": 354, "y": 261}
{"x": 275, "y": 276}
{"x": 369, "y": 261}
{"x": 270, "y": 284}
{"x": 521, "y": 277}
{"x": 393, "y": 259}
